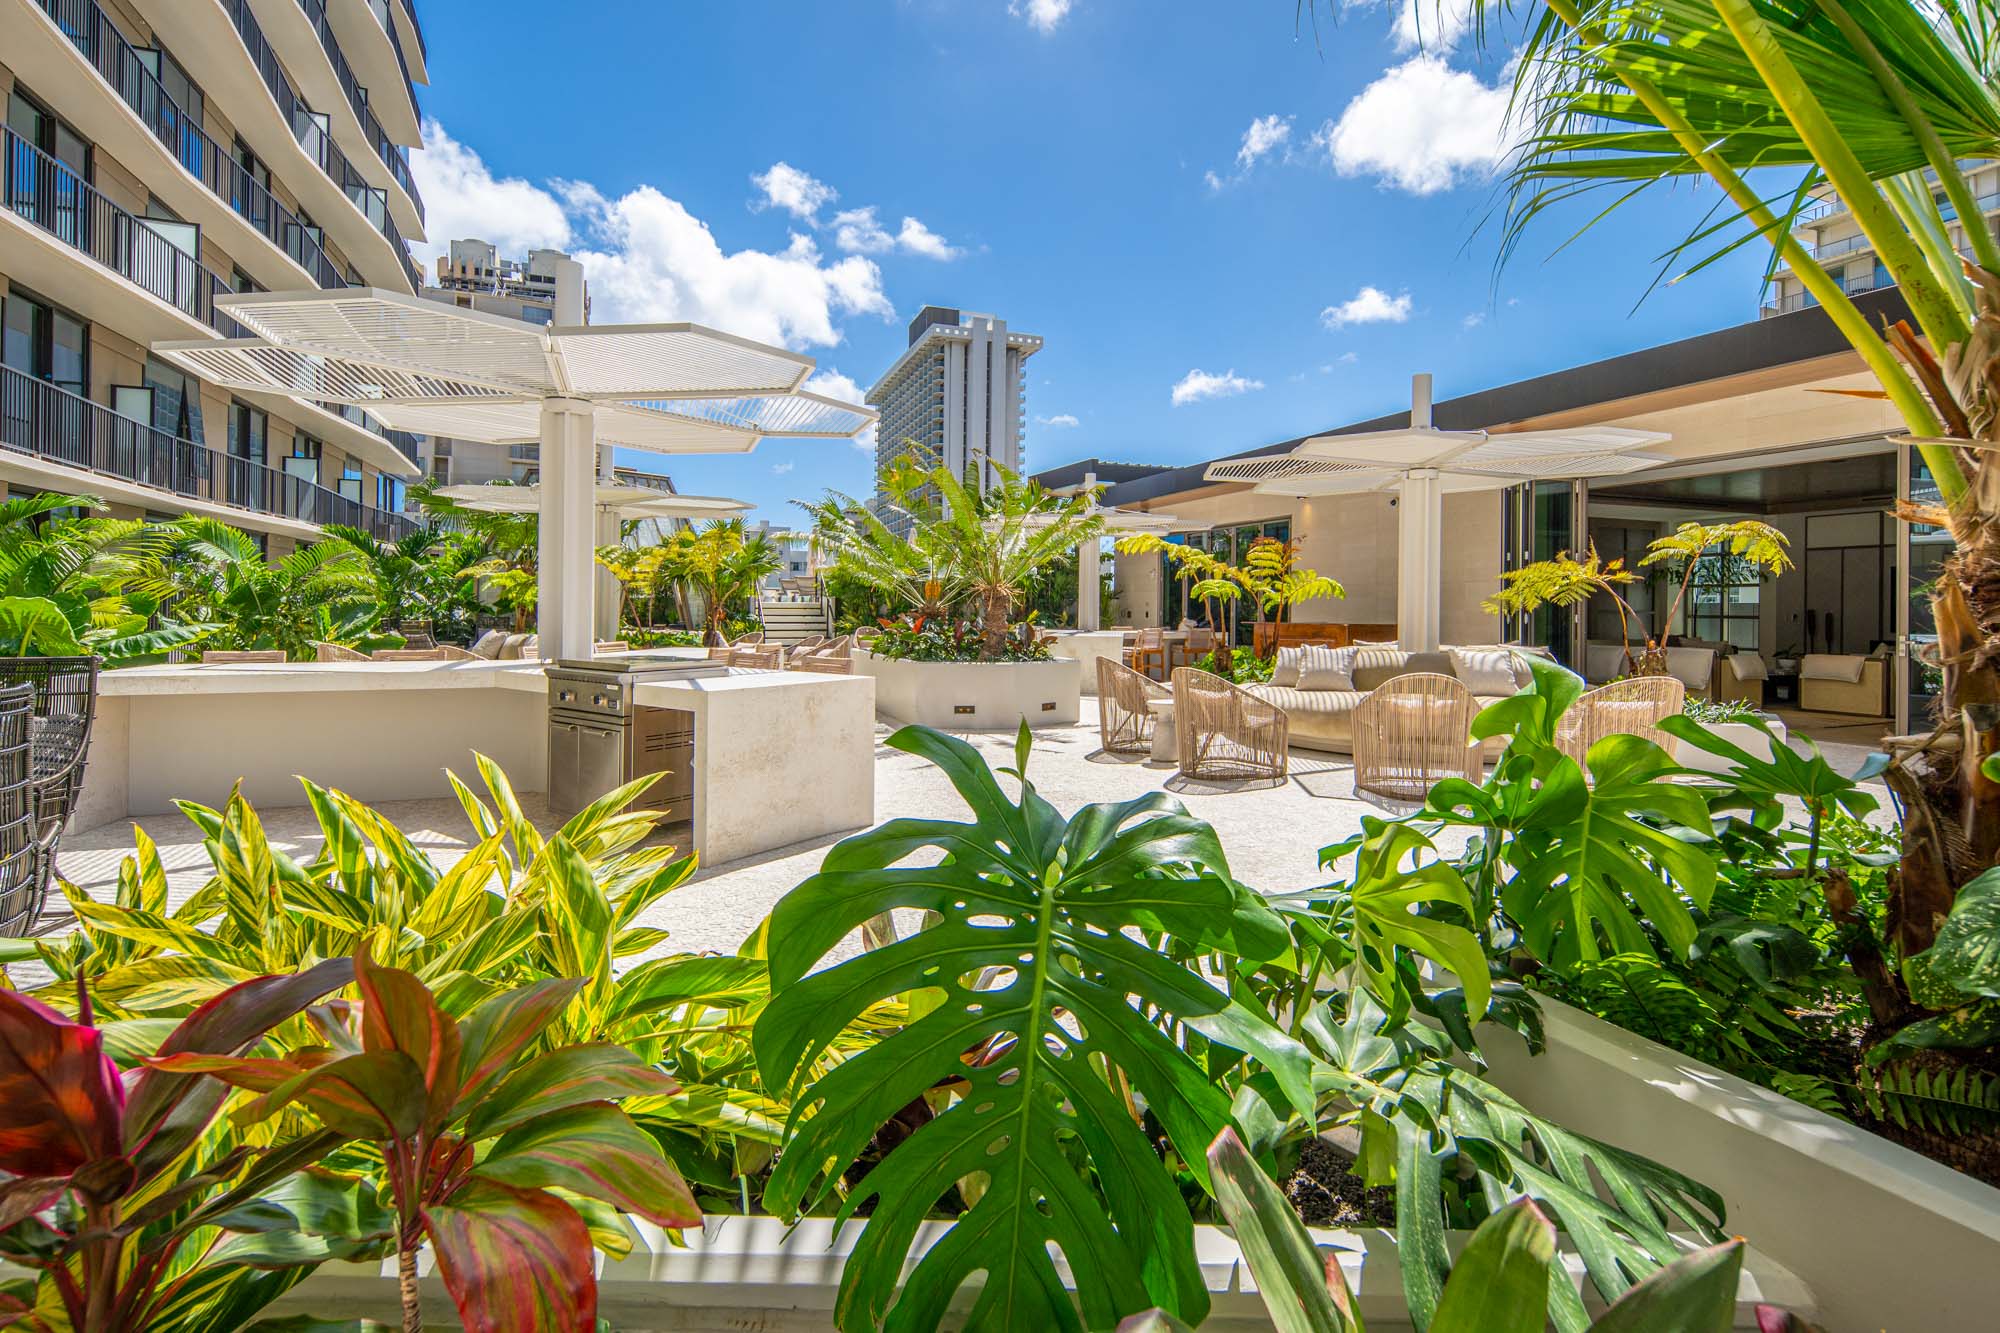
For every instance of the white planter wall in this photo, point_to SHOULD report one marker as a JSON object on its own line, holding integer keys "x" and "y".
{"x": 1886, "y": 1239}
{"x": 739, "y": 1273}
{"x": 974, "y": 696}
{"x": 1087, "y": 646}
{"x": 1740, "y": 734}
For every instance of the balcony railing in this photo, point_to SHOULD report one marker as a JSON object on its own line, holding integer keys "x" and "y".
{"x": 386, "y": 148}
{"x": 309, "y": 128}
{"x": 40, "y": 419}
{"x": 118, "y": 63}
{"x": 55, "y": 199}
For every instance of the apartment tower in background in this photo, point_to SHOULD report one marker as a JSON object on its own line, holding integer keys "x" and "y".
{"x": 957, "y": 396}
{"x": 159, "y": 154}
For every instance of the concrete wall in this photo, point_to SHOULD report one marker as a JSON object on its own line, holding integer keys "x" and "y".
{"x": 974, "y": 696}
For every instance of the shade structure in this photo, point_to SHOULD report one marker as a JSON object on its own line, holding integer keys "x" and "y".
{"x": 437, "y": 369}
{"x": 1422, "y": 463}
{"x": 623, "y": 501}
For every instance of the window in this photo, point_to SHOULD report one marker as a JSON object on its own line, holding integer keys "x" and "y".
{"x": 388, "y": 493}
{"x": 249, "y": 432}
{"x": 46, "y": 342}
{"x": 239, "y": 281}
{"x": 350, "y": 483}
{"x": 51, "y": 194}
{"x": 176, "y": 401}
{"x": 1723, "y": 602}
{"x": 305, "y": 459}
{"x": 250, "y": 185}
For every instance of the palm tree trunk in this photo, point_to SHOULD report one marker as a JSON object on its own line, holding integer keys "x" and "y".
{"x": 993, "y": 623}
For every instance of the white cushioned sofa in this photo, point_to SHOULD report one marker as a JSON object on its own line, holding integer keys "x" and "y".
{"x": 1323, "y": 719}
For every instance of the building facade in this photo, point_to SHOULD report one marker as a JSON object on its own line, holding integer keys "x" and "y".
{"x": 1828, "y": 230}
{"x": 159, "y": 154}
{"x": 957, "y": 396}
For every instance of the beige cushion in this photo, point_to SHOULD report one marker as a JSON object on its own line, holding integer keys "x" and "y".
{"x": 1748, "y": 666}
{"x": 1285, "y": 671}
{"x": 1485, "y": 670}
{"x": 489, "y": 644}
{"x": 1831, "y": 666}
{"x": 1322, "y": 668}
{"x": 1693, "y": 666}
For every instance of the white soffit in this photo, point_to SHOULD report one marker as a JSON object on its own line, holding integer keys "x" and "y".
{"x": 629, "y": 501}
{"x": 1467, "y": 460}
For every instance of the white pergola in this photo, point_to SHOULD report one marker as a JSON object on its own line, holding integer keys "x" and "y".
{"x": 1423, "y": 463}
{"x": 436, "y": 369}
{"x": 619, "y": 500}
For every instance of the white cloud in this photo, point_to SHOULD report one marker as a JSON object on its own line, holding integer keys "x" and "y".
{"x": 1432, "y": 25}
{"x": 1473, "y": 320}
{"x": 1349, "y": 358}
{"x": 1421, "y": 127}
{"x": 1267, "y": 135}
{"x": 1370, "y": 305}
{"x": 780, "y": 469}
{"x": 918, "y": 239}
{"x": 1199, "y": 384}
{"x": 1060, "y": 421}
{"x": 833, "y": 384}
{"x": 466, "y": 200}
{"x": 1042, "y": 15}
{"x": 799, "y": 194}
{"x": 859, "y": 232}
{"x": 646, "y": 256}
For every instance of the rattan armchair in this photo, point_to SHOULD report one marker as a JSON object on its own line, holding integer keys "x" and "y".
{"x": 1634, "y": 706}
{"x": 822, "y": 665}
{"x": 760, "y": 659}
{"x": 1125, "y": 718}
{"x": 337, "y": 652}
{"x": 1226, "y": 732}
{"x": 1412, "y": 732}
{"x": 442, "y": 653}
{"x": 65, "y": 705}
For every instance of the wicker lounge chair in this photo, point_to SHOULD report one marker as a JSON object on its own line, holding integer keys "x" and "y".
{"x": 1412, "y": 732}
{"x": 759, "y": 659}
{"x": 1225, "y": 732}
{"x": 27, "y": 854}
{"x": 337, "y": 652}
{"x": 225, "y": 657}
{"x": 1125, "y": 720}
{"x": 58, "y": 732}
{"x": 821, "y": 665}
{"x": 1633, "y": 707}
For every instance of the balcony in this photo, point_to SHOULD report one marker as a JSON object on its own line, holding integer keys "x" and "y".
{"x": 387, "y": 149}
{"x": 118, "y": 64}
{"x": 48, "y": 195}
{"x": 309, "y": 130}
{"x": 53, "y": 424}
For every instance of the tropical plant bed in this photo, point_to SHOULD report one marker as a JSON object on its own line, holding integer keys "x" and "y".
{"x": 974, "y": 696}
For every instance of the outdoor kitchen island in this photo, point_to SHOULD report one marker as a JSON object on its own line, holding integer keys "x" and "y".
{"x": 778, "y": 758}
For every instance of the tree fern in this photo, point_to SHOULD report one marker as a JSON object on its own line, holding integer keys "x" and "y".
{"x": 1910, "y": 1096}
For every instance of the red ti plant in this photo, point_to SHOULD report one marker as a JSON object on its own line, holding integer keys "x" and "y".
{"x": 109, "y": 1191}
{"x": 473, "y": 1131}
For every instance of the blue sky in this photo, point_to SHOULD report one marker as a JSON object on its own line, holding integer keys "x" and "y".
{"x": 1171, "y": 193}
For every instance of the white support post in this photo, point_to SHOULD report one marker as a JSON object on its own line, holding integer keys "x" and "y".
{"x": 1089, "y": 567}
{"x": 606, "y": 618}
{"x": 566, "y": 553}
{"x": 1419, "y": 537}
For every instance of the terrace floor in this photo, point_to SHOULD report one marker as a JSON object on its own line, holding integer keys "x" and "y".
{"x": 1272, "y": 832}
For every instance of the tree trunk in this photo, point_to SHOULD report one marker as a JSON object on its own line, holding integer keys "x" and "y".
{"x": 993, "y": 624}
{"x": 406, "y": 1285}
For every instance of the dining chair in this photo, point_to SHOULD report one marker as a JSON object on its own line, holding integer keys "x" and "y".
{"x": 1149, "y": 651}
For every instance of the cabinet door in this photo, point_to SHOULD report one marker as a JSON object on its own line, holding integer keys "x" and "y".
{"x": 600, "y": 761}
{"x": 563, "y": 774}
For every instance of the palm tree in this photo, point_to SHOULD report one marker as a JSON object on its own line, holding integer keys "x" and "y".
{"x": 72, "y": 584}
{"x": 721, "y": 565}
{"x": 320, "y": 592}
{"x": 1874, "y": 102}
{"x": 404, "y": 575}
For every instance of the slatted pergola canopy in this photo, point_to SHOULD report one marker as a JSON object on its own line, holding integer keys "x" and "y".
{"x": 624, "y": 501}
{"x": 438, "y": 369}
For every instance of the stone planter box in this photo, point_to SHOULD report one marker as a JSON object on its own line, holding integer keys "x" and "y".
{"x": 1883, "y": 1237}
{"x": 740, "y": 1273}
{"x": 974, "y": 696}
{"x": 1740, "y": 734}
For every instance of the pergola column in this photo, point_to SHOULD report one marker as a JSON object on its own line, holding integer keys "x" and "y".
{"x": 567, "y": 538}
{"x": 606, "y": 618}
{"x": 1419, "y": 537}
{"x": 1089, "y": 584}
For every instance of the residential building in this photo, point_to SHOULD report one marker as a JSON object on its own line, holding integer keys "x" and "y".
{"x": 1827, "y": 228}
{"x": 1758, "y": 426}
{"x": 957, "y": 396}
{"x": 474, "y": 275}
{"x": 158, "y": 155}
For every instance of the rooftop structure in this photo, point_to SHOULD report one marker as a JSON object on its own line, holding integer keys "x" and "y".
{"x": 957, "y": 397}
{"x": 161, "y": 157}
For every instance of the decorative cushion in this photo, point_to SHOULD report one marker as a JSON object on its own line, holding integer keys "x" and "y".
{"x": 1323, "y": 668}
{"x": 1285, "y": 671}
{"x": 1485, "y": 670}
{"x": 1832, "y": 666}
{"x": 489, "y": 644}
{"x": 1749, "y": 666}
{"x": 1693, "y": 666}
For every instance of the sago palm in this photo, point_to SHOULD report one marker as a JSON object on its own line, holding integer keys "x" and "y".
{"x": 1779, "y": 103}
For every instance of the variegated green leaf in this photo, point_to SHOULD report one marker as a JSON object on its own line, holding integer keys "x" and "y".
{"x": 594, "y": 1150}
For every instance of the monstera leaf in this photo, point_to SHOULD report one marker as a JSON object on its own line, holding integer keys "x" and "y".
{"x": 1048, "y": 1035}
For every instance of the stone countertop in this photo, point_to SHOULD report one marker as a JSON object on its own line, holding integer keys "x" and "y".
{"x": 316, "y": 677}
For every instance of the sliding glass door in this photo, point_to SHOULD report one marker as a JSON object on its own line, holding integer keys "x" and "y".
{"x": 1540, "y": 520}
{"x": 1921, "y": 549}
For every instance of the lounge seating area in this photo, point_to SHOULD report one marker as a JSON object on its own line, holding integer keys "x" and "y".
{"x": 1848, "y": 684}
{"x": 1322, "y": 689}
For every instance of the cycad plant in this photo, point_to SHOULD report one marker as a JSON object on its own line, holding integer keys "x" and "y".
{"x": 721, "y": 564}
{"x": 319, "y": 591}
{"x": 403, "y": 571}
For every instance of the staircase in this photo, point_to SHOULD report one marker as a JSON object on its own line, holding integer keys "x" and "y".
{"x": 787, "y": 620}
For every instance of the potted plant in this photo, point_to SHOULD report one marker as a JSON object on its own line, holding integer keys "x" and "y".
{"x": 1731, "y": 720}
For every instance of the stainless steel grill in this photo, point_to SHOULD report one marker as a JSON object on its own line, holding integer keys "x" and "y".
{"x": 600, "y": 739}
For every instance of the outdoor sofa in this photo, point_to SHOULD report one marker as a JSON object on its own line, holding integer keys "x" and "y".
{"x": 1322, "y": 718}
